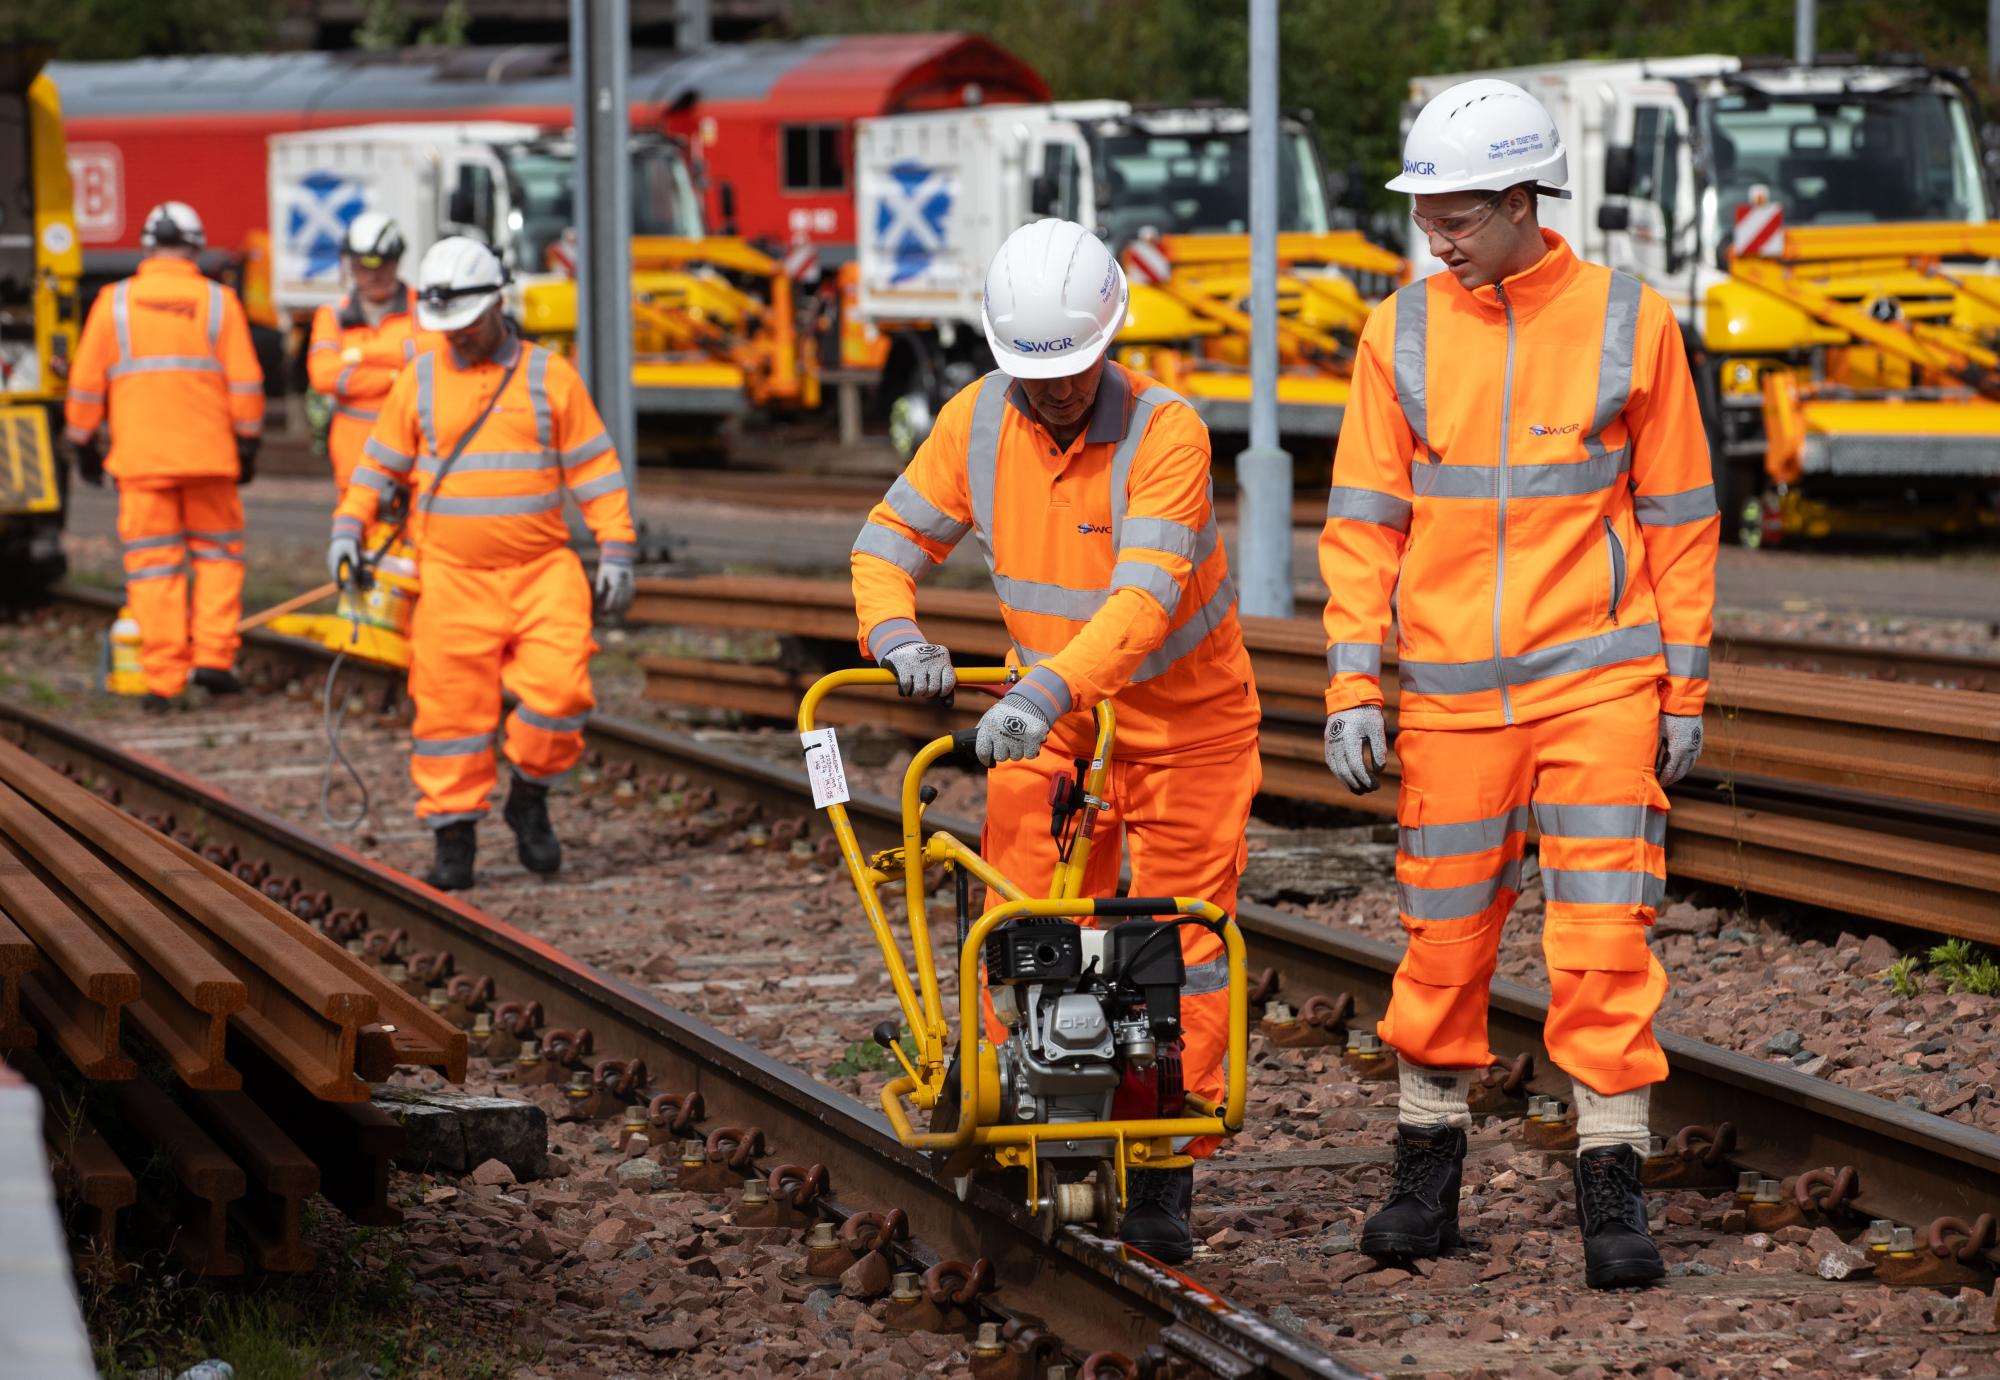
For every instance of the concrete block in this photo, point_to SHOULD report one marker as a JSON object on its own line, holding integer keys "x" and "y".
{"x": 453, "y": 1133}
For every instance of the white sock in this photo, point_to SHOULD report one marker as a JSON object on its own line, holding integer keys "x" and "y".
{"x": 1619, "y": 1119}
{"x": 1434, "y": 1097}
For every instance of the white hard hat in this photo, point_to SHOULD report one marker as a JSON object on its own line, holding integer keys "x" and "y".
{"x": 372, "y": 235}
{"x": 1482, "y": 136}
{"x": 1054, "y": 299}
{"x": 173, "y": 222}
{"x": 457, "y": 281}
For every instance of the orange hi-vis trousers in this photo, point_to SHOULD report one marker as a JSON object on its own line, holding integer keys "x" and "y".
{"x": 167, "y": 529}
{"x": 526, "y": 627}
{"x": 1184, "y": 822}
{"x": 1587, "y": 777}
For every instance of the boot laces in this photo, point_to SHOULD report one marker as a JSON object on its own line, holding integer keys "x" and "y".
{"x": 1608, "y": 1187}
{"x": 1421, "y": 1167}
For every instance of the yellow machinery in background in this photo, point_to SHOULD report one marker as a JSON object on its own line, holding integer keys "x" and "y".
{"x": 40, "y": 262}
{"x": 1874, "y": 351}
{"x": 1088, "y": 1012}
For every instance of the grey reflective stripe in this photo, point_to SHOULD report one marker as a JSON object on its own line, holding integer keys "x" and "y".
{"x": 1032, "y": 596}
{"x": 381, "y": 483}
{"x": 495, "y": 460}
{"x": 248, "y": 388}
{"x": 1143, "y": 408}
{"x": 452, "y": 747}
{"x": 164, "y": 364}
{"x": 1412, "y": 319}
{"x": 1164, "y": 535}
{"x": 319, "y": 345}
{"x": 922, "y": 516}
{"x": 214, "y": 315}
{"x": 1203, "y": 978}
{"x": 568, "y": 723}
{"x": 895, "y": 548}
{"x": 1457, "y": 902}
{"x": 1563, "y": 480}
{"x": 1685, "y": 659}
{"x": 388, "y": 459}
{"x": 153, "y": 543}
{"x": 84, "y": 396}
{"x": 618, "y": 552}
{"x": 1368, "y": 505}
{"x": 890, "y": 634}
{"x": 1621, "y": 336}
{"x": 439, "y": 821}
{"x": 1602, "y": 821}
{"x": 155, "y": 572}
{"x": 511, "y": 505}
{"x": 1190, "y": 634}
{"x": 1048, "y": 690}
{"x": 589, "y": 450}
{"x": 982, "y": 456}
{"x": 1603, "y": 888}
{"x": 538, "y": 394}
{"x": 360, "y": 414}
{"x": 1155, "y": 580}
{"x": 1675, "y": 510}
{"x": 1457, "y": 840}
{"x": 340, "y": 384}
{"x": 548, "y": 780}
{"x": 427, "y": 400}
{"x": 1354, "y": 659}
{"x": 212, "y": 554}
{"x": 216, "y": 538}
{"x": 347, "y": 526}
{"x": 1584, "y": 654}
{"x": 121, "y": 317}
{"x": 611, "y": 483}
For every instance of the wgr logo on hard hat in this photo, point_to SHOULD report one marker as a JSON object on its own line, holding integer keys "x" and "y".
{"x": 1045, "y": 347}
{"x": 1420, "y": 169}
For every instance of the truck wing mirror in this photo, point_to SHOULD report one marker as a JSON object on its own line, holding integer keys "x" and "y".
{"x": 725, "y": 198}
{"x": 1042, "y": 195}
{"x": 1612, "y": 216}
{"x": 1618, "y": 168}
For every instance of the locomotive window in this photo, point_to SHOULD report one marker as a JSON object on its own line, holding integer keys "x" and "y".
{"x": 813, "y": 161}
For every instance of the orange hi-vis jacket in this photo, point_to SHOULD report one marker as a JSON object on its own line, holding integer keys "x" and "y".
{"x": 358, "y": 387}
{"x": 168, "y": 353}
{"x": 501, "y": 503}
{"x": 1523, "y": 479}
{"x": 1106, "y": 558}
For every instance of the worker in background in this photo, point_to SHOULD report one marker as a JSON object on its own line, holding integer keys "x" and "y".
{"x": 1087, "y": 486}
{"x": 486, "y": 434}
{"x": 166, "y": 355}
{"x": 362, "y": 342}
{"x": 1523, "y": 479}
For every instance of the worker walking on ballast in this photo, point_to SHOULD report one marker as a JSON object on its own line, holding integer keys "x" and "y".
{"x": 487, "y": 434}
{"x": 1087, "y": 486}
{"x": 360, "y": 343}
{"x": 1523, "y": 479}
{"x": 166, "y": 355}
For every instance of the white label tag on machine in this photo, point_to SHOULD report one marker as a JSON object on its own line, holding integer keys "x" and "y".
{"x": 823, "y": 768}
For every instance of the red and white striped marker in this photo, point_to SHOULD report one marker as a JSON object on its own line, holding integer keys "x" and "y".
{"x": 1148, "y": 262}
{"x": 802, "y": 263}
{"x": 1759, "y": 232}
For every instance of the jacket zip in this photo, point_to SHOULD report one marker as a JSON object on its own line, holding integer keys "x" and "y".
{"x": 1500, "y": 555}
{"x": 1615, "y": 550}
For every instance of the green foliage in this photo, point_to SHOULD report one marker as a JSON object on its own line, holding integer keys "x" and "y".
{"x": 384, "y": 25}
{"x": 108, "y": 29}
{"x": 1966, "y": 969}
{"x": 865, "y": 1056}
{"x": 1906, "y": 975}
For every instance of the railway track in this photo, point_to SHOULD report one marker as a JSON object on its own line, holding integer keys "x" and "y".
{"x": 1912, "y": 1166}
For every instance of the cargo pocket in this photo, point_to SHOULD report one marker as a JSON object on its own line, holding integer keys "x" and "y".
{"x": 1614, "y": 551}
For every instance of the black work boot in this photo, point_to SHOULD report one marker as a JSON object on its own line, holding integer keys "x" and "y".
{"x": 1421, "y": 1217}
{"x": 156, "y": 704}
{"x": 527, "y": 814}
{"x": 451, "y": 869}
{"x": 217, "y": 680}
{"x": 1618, "y": 1251}
{"x": 1157, "y": 1202}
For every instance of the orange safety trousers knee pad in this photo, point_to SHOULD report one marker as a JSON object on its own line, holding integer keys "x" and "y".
{"x": 1184, "y": 823}
{"x": 170, "y": 531}
{"x": 1586, "y": 779}
{"x": 522, "y": 627}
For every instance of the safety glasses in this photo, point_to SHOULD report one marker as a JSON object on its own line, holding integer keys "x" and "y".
{"x": 376, "y": 260}
{"x": 1459, "y": 226}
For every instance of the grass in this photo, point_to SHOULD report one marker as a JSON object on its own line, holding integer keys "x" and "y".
{"x": 1906, "y": 975}
{"x": 1962, "y": 965}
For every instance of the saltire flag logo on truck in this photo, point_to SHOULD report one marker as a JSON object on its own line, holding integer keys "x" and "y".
{"x": 909, "y": 222}
{"x": 322, "y": 204}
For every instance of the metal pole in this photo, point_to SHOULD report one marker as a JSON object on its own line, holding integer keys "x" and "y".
{"x": 691, "y": 25}
{"x": 1803, "y": 33}
{"x": 1264, "y": 470}
{"x": 1992, "y": 41}
{"x": 599, "y": 37}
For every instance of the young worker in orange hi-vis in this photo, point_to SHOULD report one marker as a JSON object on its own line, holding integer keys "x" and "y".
{"x": 1523, "y": 477}
{"x": 362, "y": 342}
{"x": 1087, "y": 486}
{"x": 487, "y": 434}
{"x": 167, "y": 354}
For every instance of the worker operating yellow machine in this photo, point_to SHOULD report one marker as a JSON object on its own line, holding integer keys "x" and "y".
{"x": 1084, "y": 1083}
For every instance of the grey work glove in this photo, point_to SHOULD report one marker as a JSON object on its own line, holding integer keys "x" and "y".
{"x": 1011, "y": 731}
{"x": 343, "y": 561}
{"x": 1680, "y": 745}
{"x": 1356, "y": 747}
{"x": 923, "y": 670}
{"x": 614, "y": 587}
